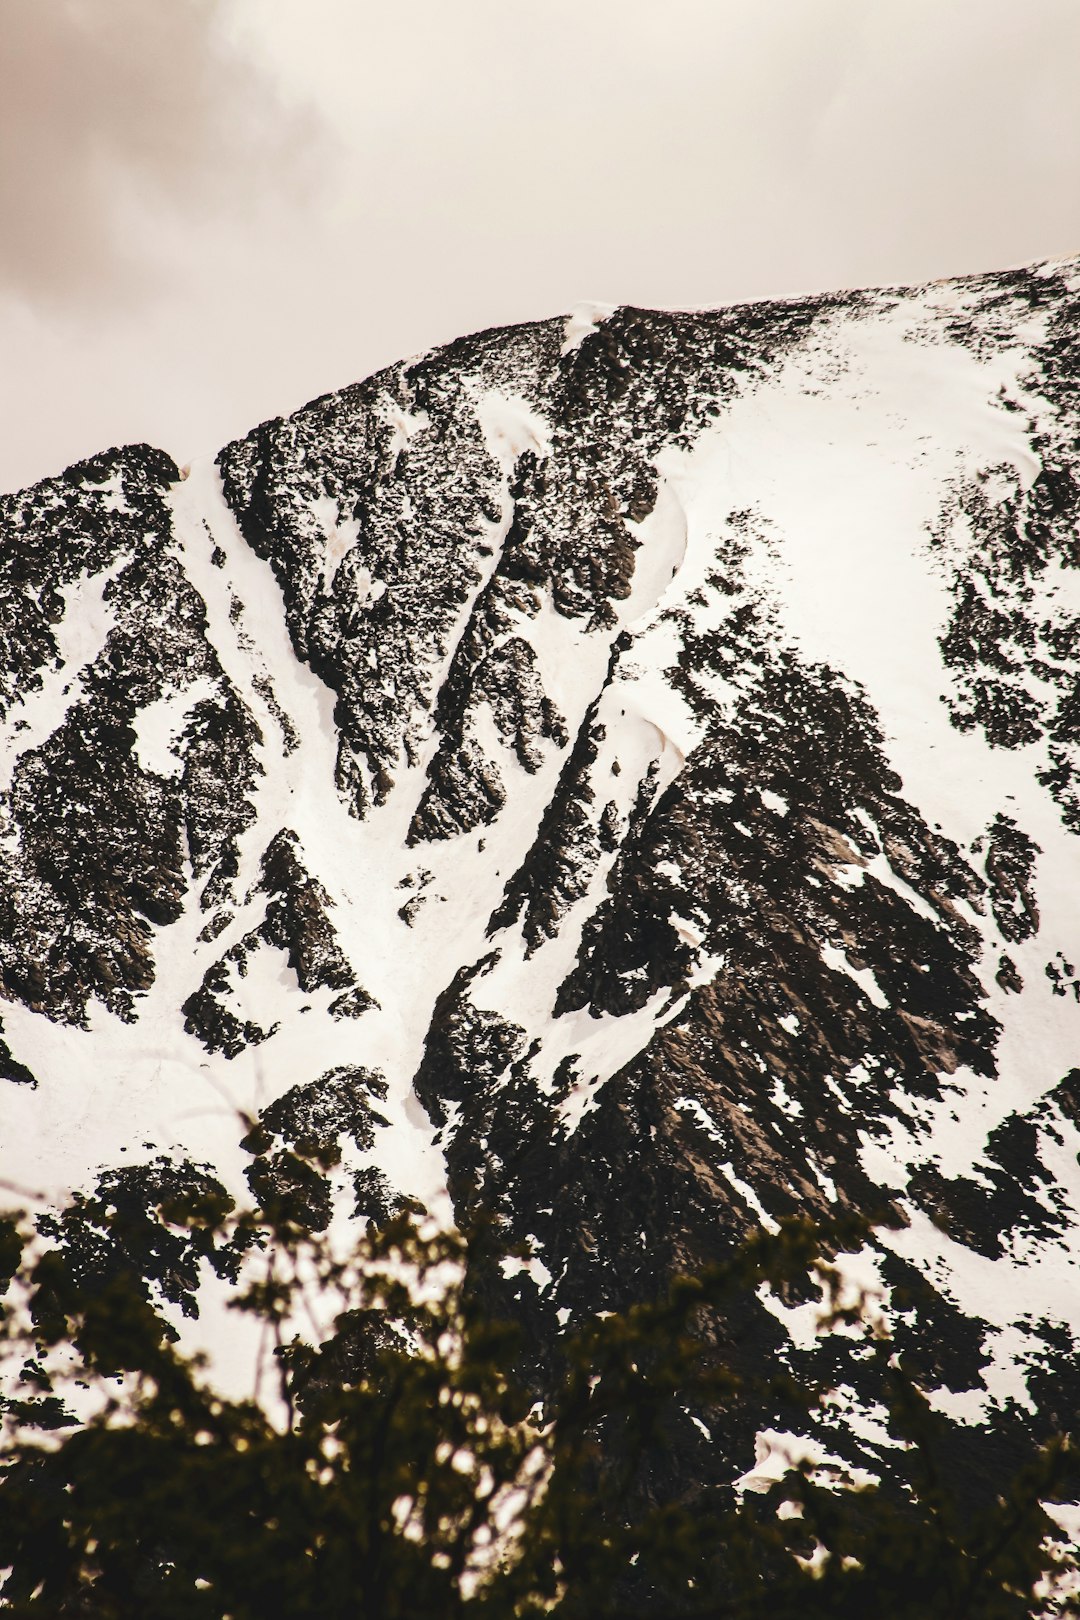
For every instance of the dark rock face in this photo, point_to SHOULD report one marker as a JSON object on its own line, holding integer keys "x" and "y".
{"x": 295, "y": 922}
{"x": 102, "y": 840}
{"x": 646, "y": 765}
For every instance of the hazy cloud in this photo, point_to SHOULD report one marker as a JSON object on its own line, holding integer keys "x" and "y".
{"x": 302, "y": 191}
{"x": 117, "y": 112}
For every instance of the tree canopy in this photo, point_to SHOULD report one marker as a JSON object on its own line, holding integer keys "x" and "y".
{"x": 397, "y": 1465}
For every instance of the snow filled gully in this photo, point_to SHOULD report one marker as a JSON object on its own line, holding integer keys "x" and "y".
{"x": 847, "y": 458}
{"x": 151, "y": 1086}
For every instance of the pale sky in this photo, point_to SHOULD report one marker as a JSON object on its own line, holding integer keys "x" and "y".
{"x": 212, "y": 210}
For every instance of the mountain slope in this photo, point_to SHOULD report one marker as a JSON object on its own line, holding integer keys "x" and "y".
{"x": 621, "y": 774}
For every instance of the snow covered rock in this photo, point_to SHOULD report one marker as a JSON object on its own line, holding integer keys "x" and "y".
{"x": 644, "y": 755}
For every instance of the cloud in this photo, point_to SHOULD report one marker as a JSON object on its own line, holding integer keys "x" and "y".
{"x": 119, "y": 119}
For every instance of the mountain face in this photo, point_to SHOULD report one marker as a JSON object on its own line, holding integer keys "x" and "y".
{"x": 620, "y": 776}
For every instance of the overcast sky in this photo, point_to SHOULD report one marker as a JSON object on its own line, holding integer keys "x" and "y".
{"x": 211, "y": 210}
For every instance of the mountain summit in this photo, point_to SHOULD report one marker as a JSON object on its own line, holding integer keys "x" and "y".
{"x": 620, "y": 776}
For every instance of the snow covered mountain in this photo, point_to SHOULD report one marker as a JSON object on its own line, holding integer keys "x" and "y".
{"x": 620, "y": 774}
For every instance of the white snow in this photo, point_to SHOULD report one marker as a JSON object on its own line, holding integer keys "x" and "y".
{"x": 111, "y": 492}
{"x": 776, "y": 1451}
{"x": 584, "y": 318}
{"x": 532, "y": 1267}
{"x": 339, "y": 537}
{"x": 404, "y": 425}
{"x": 511, "y": 426}
{"x": 158, "y": 726}
{"x": 838, "y": 962}
{"x": 847, "y": 457}
{"x": 88, "y": 621}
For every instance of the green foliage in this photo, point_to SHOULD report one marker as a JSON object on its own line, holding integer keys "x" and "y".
{"x": 397, "y": 1468}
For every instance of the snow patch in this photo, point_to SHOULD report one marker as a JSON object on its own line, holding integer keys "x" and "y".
{"x": 511, "y": 425}
{"x": 838, "y": 962}
{"x": 87, "y": 623}
{"x": 159, "y": 725}
{"x": 777, "y": 1451}
{"x": 584, "y": 318}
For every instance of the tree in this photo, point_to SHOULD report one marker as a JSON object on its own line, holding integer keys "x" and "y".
{"x": 398, "y": 1468}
